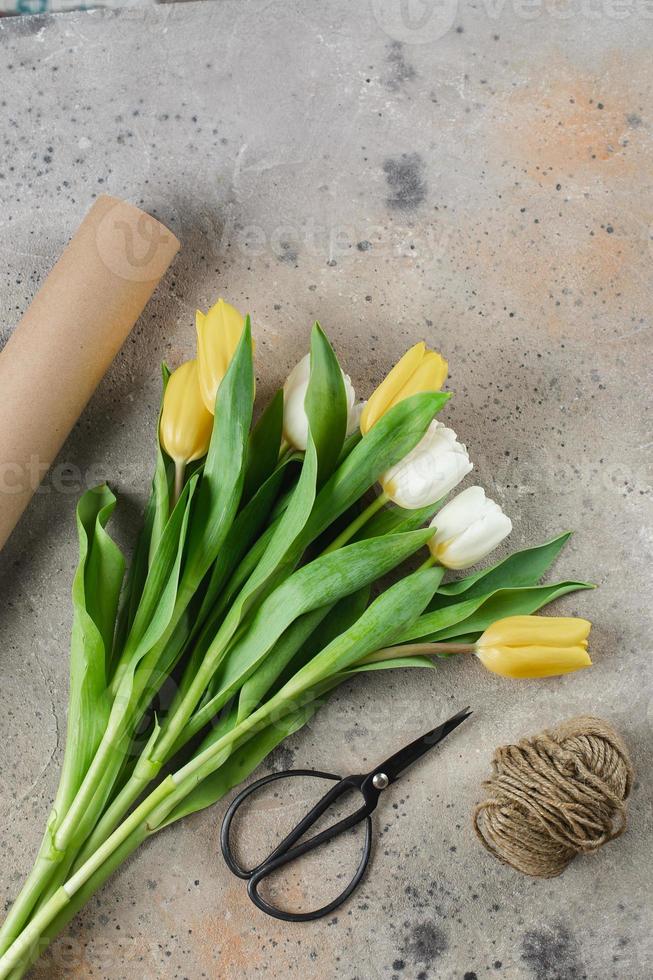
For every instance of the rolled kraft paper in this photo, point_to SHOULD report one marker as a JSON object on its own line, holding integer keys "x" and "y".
{"x": 67, "y": 339}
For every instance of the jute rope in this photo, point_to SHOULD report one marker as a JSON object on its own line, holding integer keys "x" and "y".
{"x": 555, "y": 795}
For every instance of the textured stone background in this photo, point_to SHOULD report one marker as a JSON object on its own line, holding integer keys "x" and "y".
{"x": 480, "y": 178}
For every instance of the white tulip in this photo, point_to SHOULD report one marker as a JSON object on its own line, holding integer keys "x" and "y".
{"x": 295, "y": 420}
{"x": 434, "y": 467}
{"x": 354, "y": 418}
{"x": 468, "y": 529}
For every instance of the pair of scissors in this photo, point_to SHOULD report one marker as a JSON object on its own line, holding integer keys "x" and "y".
{"x": 370, "y": 785}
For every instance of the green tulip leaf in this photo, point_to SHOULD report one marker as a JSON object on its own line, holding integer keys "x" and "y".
{"x": 326, "y": 404}
{"x": 387, "y": 618}
{"x": 263, "y": 447}
{"x": 154, "y": 520}
{"x": 299, "y": 644}
{"x": 163, "y": 479}
{"x": 350, "y": 442}
{"x": 523, "y": 568}
{"x": 155, "y": 612}
{"x": 474, "y": 615}
{"x": 320, "y": 583}
{"x": 242, "y": 536}
{"x": 392, "y": 520}
{"x": 393, "y": 611}
{"x": 95, "y": 593}
{"x": 394, "y": 435}
{"x": 220, "y": 488}
{"x": 240, "y": 763}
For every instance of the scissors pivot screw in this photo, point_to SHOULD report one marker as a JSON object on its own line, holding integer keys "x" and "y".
{"x": 380, "y": 781}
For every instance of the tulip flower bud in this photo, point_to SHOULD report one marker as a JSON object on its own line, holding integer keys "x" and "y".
{"x": 354, "y": 417}
{"x": 535, "y": 646}
{"x": 218, "y": 335}
{"x": 418, "y": 370}
{"x": 434, "y": 467}
{"x": 295, "y": 419}
{"x": 467, "y": 529}
{"x": 186, "y": 425}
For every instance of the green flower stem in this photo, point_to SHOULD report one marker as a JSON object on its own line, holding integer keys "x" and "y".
{"x": 176, "y": 723}
{"x": 118, "y": 837}
{"x": 61, "y": 866}
{"x": 29, "y": 895}
{"x": 144, "y": 819}
{"x": 429, "y": 563}
{"x": 199, "y": 719}
{"x": 173, "y": 738}
{"x": 29, "y": 939}
{"x": 182, "y": 710}
{"x": 148, "y": 766}
{"x": 187, "y": 589}
{"x": 211, "y": 758}
{"x": 166, "y": 745}
{"x": 86, "y": 801}
{"x": 180, "y": 475}
{"x": 357, "y": 523}
{"x": 177, "y": 731}
{"x": 51, "y": 866}
{"x": 412, "y": 649}
{"x": 143, "y": 822}
{"x": 63, "y": 905}
{"x": 182, "y": 724}
{"x": 69, "y": 911}
{"x": 122, "y": 722}
{"x": 319, "y": 671}
{"x": 156, "y": 807}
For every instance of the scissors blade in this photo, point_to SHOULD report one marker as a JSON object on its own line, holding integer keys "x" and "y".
{"x": 397, "y": 763}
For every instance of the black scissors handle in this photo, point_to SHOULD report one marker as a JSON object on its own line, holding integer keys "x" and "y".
{"x": 370, "y": 786}
{"x": 285, "y": 852}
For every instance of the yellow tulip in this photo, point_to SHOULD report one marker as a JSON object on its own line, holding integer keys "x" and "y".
{"x": 218, "y": 334}
{"x": 535, "y": 646}
{"x": 186, "y": 425}
{"x": 418, "y": 370}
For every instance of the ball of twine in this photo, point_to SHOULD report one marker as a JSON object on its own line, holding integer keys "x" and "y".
{"x": 555, "y": 795}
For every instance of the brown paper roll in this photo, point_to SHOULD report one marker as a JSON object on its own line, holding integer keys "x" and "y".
{"x": 63, "y": 346}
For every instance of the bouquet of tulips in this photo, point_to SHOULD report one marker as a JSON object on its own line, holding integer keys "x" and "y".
{"x": 257, "y": 585}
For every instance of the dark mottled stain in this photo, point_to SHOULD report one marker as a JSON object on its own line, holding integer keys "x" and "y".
{"x": 405, "y": 177}
{"x": 364, "y": 246}
{"x": 282, "y": 757}
{"x": 399, "y": 70}
{"x": 470, "y": 975}
{"x": 634, "y": 121}
{"x": 426, "y": 942}
{"x": 552, "y": 954}
{"x": 288, "y": 253}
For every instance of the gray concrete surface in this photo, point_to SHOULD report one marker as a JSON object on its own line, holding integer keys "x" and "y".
{"x": 480, "y": 179}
